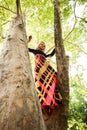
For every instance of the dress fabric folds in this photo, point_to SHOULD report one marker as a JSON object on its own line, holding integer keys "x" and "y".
{"x": 45, "y": 80}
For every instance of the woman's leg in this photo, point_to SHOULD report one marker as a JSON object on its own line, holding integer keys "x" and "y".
{"x": 45, "y": 112}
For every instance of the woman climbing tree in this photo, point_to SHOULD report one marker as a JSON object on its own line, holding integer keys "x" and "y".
{"x": 45, "y": 80}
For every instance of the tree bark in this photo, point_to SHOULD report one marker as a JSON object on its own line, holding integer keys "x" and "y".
{"x": 19, "y": 106}
{"x": 59, "y": 118}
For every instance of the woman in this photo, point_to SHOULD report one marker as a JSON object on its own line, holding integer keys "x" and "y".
{"x": 45, "y": 78}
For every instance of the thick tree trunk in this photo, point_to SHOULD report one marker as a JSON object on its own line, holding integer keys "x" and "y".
{"x": 59, "y": 119}
{"x": 19, "y": 106}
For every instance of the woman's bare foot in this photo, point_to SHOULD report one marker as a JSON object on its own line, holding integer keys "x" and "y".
{"x": 45, "y": 113}
{"x": 46, "y": 117}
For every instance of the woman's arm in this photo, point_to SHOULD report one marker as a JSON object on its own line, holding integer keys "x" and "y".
{"x": 31, "y": 50}
{"x": 51, "y": 54}
{"x": 34, "y": 51}
{"x": 42, "y": 53}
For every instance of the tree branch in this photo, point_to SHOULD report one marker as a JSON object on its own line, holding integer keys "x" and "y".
{"x": 74, "y": 23}
{"x": 6, "y": 4}
{"x": 83, "y": 19}
{"x": 71, "y": 30}
{"x": 77, "y": 47}
{"x": 7, "y": 9}
{"x": 18, "y": 7}
{"x": 50, "y": 49}
{"x": 5, "y": 22}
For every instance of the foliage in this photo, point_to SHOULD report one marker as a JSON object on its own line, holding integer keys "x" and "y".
{"x": 75, "y": 125}
{"x": 78, "y": 104}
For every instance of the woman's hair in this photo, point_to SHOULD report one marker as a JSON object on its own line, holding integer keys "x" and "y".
{"x": 38, "y": 47}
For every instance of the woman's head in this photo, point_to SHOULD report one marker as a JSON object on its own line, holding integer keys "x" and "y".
{"x": 41, "y": 46}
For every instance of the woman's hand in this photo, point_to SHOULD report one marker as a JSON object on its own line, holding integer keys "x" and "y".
{"x": 29, "y": 38}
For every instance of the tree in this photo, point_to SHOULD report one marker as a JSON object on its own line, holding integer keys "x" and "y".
{"x": 19, "y": 101}
{"x": 19, "y": 106}
{"x": 59, "y": 120}
{"x": 40, "y": 25}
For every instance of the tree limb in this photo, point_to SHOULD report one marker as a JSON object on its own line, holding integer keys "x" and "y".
{"x": 18, "y": 7}
{"x": 7, "y": 9}
{"x": 83, "y": 19}
{"x": 74, "y": 23}
{"x": 6, "y": 4}
{"x": 77, "y": 47}
{"x": 5, "y": 22}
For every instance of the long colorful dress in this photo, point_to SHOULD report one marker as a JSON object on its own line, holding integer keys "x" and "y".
{"x": 45, "y": 78}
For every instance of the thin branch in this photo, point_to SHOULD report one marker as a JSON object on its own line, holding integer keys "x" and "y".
{"x": 74, "y": 23}
{"x": 5, "y": 22}
{"x": 3, "y": 19}
{"x": 83, "y": 19}
{"x": 78, "y": 48}
{"x": 75, "y": 10}
{"x": 6, "y": 4}
{"x": 7, "y": 9}
{"x": 71, "y": 30}
{"x": 50, "y": 49}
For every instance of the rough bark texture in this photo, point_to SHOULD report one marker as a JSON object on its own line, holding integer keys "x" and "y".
{"x": 59, "y": 118}
{"x": 19, "y": 107}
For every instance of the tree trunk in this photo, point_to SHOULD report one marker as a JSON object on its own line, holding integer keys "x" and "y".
{"x": 59, "y": 119}
{"x": 19, "y": 106}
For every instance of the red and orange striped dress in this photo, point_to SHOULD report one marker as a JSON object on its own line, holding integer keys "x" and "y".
{"x": 45, "y": 78}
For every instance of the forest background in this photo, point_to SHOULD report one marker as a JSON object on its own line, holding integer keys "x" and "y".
{"x": 40, "y": 24}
